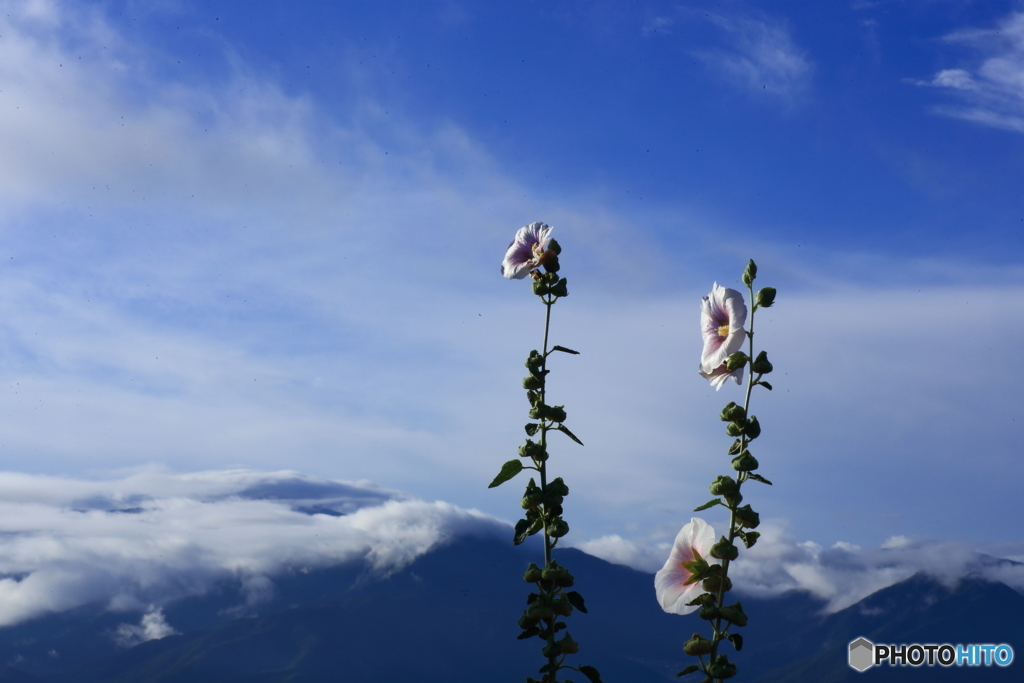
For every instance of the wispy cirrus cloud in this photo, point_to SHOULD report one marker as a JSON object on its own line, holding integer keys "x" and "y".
{"x": 991, "y": 92}
{"x": 759, "y": 54}
{"x": 754, "y": 51}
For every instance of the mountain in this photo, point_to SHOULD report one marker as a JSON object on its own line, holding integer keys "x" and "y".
{"x": 451, "y": 616}
{"x": 917, "y": 610}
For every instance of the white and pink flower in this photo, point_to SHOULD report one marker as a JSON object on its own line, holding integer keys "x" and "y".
{"x": 723, "y": 314}
{"x": 526, "y": 251}
{"x": 676, "y": 583}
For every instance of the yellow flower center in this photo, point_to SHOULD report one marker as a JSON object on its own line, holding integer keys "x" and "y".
{"x": 723, "y": 331}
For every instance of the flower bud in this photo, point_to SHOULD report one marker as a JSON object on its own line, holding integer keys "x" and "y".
{"x": 535, "y": 361}
{"x": 557, "y": 574}
{"x": 550, "y": 278}
{"x": 744, "y": 462}
{"x": 735, "y": 428}
{"x": 556, "y": 413}
{"x": 761, "y": 364}
{"x": 714, "y": 582}
{"x": 720, "y": 667}
{"x": 557, "y": 486}
{"x": 559, "y": 289}
{"x": 569, "y": 646}
{"x": 551, "y": 263}
{"x": 527, "y": 621}
{"x": 765, "y": 297}
{"x": 551, "y": 650}
{"x": 724, "y": 550}
{"x": 750, "y": 273}
{"x": 723, "y": 486}
{"x": 538, "y": 611}
{"x": 532, "y": 574}
{"x": 708, "y": 612}
{"x": 736, "y": 361}
{"x": 734, "y": 614}
{"x": 540, "y": 289}
{"x": 532, "y": 382}
{"x": 753, "y": 429}
{"x": 561, "y": 607}
{"x": 697, "y": 645}
{"x": 733, "y": 499}
{"x": 530, "y": 449}
{"x": 746, "y": 517}
{"x": 732, "y": 412}
{"x": 554, "y": 246}
{"x": 557, "y": 528}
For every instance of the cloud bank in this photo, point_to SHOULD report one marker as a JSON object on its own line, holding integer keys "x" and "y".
{"x": 842, "y": 574}
{"x": 137, "y": 542}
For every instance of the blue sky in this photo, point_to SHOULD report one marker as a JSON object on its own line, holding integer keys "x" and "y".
{"x": 260, "y": 237}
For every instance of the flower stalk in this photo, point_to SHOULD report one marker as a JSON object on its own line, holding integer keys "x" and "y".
{"x": 725, "y": 329}
{"x": 531, "y": 251}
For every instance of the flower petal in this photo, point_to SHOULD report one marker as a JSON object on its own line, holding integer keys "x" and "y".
{"x": 670, "y": 585}
{"x": 520, "y": 257}
{"x": 722, "y": 309}
{"x": 718, "y": 376}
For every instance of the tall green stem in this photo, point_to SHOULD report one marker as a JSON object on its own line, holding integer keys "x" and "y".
{"x": 544, "y": 422}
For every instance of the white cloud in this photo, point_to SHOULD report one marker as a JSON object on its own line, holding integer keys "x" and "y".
{"x": 152, "y": 626}
{"x": 761, "y": 55}
{"x": 150, "y": 537}
{"x": 841, "y": 575}
{"x": 992, "y": 91}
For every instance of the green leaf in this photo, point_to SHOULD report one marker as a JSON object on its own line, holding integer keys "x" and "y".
{"x": 565, "y": 430}
{"x": 765, "y": 385}
{"x": 576, "y": 600}
{"x": 688, "y": 670}
{"x": 532, "y": 428}
{"x": 526, "y": 528}
{"x": 750, "y": 538}
{"x": 564, "y": 350}
{"x": 758, "y": 477}
{"x": 592, "y": 674}
{"x": 528, "y": 633}
{"x": 737, "y": 641}
{"x": 508, "y": 470}
{"x": 705, "y": 506}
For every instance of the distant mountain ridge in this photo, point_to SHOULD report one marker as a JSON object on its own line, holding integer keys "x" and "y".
{"x": 451, "y": 616}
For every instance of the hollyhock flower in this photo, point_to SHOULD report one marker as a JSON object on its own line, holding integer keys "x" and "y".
{"x": 722, "y": 316}
{"x": 677, "y": 583}
{"x": 527, "y": 251}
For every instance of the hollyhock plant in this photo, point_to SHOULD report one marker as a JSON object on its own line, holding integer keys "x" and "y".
{"x": 690, "y": 582}
{"x": 722, "y": 316}
{"x": 678, "y": 582}
{"x": 527, "y": 251}
{"x": 534, "y": 252}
